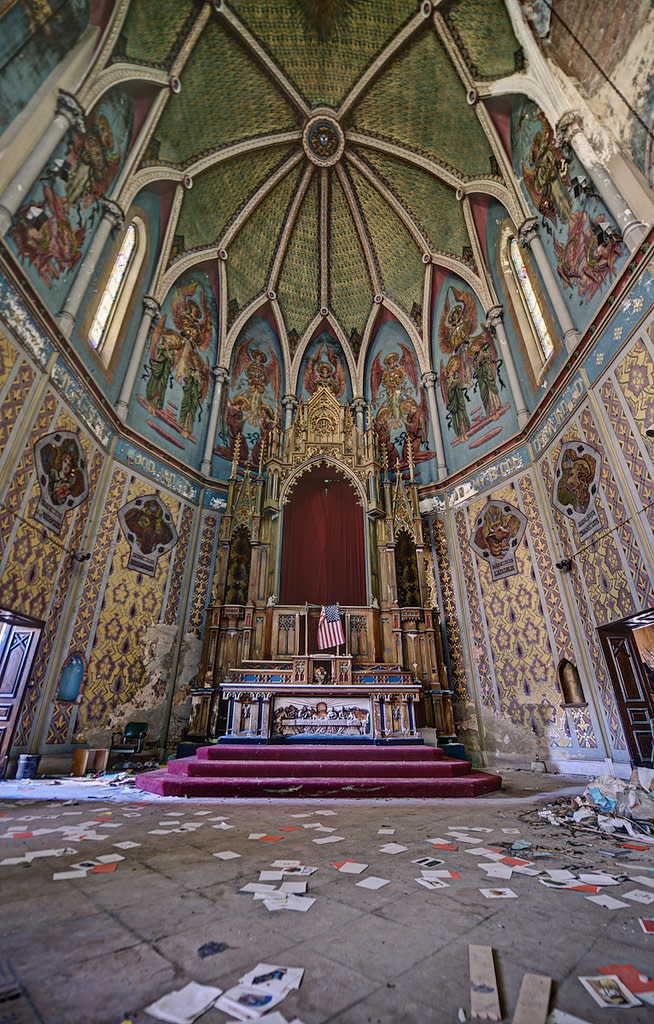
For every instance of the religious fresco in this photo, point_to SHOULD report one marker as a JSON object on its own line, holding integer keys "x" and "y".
{"x": 575, "y": 227}
{"x": 174, "y": 393}
{"x": 52, "y": 230}
{"x": 323, "y": 364}
{"x": 473, "y": 393}
{"x": 252, "y": 403}
{"x": 62, "y": 475}
{"x": 34, "y": 36}
{"x": 576, "y": 480}
{"x": 396, "y": 400}
{"x": 496, "y": 534}
{"x": 150, "y": 532}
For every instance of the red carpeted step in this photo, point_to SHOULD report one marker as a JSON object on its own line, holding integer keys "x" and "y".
{"x": 268, "y": 770}
{"x": 474, "y": 784}
{"x": 263, "y": 767}
{"x": 323, "y": 752}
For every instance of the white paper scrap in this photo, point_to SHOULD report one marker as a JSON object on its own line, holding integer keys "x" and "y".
{"x": 257, "y": 887}
{"x": 495, "y": 870}
{"x": 184, "y": 1005}
{"x": 393, "y": 848}
{"x": 330, "y": 839}
{"x": 60, "y": 875}
{"x": 609, "y": 902}
{"x": 372, "y": 882}
{"x": 561, "y": 875}
{"x": 271, "y": 876}
{"x": 223, "y": 825}
{"x": 226, "y": 855}
{"x": 499, "y": 894}
{"x": 639, "y": 896}
{"x": 273, "y": 976}
{"x": 644, "y": 879}
{"x": 127, "y": 844}
{"x": 350, "y": 867}
{"x": 298, "y": 888}
{"x": 301, "y": 903}
{"x": 432, "y": 883}
{"x": 386, "y": 831}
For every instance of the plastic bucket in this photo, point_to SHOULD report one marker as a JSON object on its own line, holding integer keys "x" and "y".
{"x": 28, "y": 765}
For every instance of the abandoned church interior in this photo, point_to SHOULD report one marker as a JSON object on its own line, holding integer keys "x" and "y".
{"x": 327, "y": 421}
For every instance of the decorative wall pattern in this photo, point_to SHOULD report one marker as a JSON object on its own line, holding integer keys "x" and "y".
{"x": 453, "y": 631}
{"x": 202, "y": 576}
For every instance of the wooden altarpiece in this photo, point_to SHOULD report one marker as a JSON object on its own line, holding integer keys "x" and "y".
{"x": 259, "y": 658}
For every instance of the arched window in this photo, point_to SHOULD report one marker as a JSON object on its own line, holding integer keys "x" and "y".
{"x": 530, "y": 315}
{"x": 111, "y": 309}
{"x": 530, "y": 300}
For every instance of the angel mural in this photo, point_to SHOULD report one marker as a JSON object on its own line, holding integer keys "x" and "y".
{"x": 50, "y": 229}
{"x": 254, "y": 399}
{"x": 547, "y": 177}
{"x": 399, "y": 403}
{"x": 175, "y": 355}
{"x": 324, "y": 369}
{"x": 584, "y": 244}
{"x": 472, "y": 367}
{"x": 588, "y": 257}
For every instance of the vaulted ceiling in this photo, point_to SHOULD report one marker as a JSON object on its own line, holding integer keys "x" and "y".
{"x": 325, "y": 145}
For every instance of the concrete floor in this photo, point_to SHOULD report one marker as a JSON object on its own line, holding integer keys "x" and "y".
{"x": 99, "y": 948}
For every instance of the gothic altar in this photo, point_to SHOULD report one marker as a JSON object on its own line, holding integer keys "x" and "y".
{"x": 322, "y": 517}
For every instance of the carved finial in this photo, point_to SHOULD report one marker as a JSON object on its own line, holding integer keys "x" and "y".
{"x": 237, "y": 452}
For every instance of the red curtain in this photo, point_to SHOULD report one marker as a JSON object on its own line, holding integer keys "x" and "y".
{"x": 323, "y": 549}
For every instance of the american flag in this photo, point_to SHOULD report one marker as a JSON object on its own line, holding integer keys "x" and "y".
{"x": 330, "y": 627}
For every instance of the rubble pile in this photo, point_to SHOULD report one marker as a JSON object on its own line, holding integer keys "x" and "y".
{"x": 610, "y": 805}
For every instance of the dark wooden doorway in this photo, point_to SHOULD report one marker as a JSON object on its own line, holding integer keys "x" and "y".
{"x": 19, "y": 639}
{"x": 632, "y": 690}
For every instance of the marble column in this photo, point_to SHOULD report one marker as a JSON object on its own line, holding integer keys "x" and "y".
{"x": 495, "y": 318}
{"x": 68, "y": 114}
{"x": 359, "y": 408}
{"x": 429, "y": 384}
{"x": 528, "y": 238}
{"x": 569, "y": 131}
{"x": 151, "y": 309}
{"x": 289, "y": 403}
{"x": 112, "y": 218}
{"x": 220, "y": 375}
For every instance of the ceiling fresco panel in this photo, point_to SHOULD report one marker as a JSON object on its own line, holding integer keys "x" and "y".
{"x": 218, "y": 194}
{"x": 151, "y": 29}
{"x": 399, "y": 258}
{"x": 323, "y": 47}
{"x": 431, "y": 203}
{"x": 420, "y": 102}
{"x": 249, "y": 257}
{"x": 351, "y": 292}
{"x": 225, "y": 97}
{"x": 298, "y": 288}
{"x": 474, "y": 23}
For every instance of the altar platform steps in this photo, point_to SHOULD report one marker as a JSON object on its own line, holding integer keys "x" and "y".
{"x": 318, "y": 771}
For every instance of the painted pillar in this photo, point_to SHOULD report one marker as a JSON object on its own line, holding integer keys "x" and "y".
{"x": 220, "y": 375}
{"x": 495, "y": 318}
{"x": 151, "y": 309}
{"x": 69, "y": 114}
{"x": 112, "y": 218}
{"x": 569, "y": 131}
{"x": 289, "y": 403}
{"x": 359, "y": 408}
{"x": 529, "y": 239}
{"x": 429, "y": 384}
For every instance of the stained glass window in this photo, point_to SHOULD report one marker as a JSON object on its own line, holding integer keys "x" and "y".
{"x": 531, "y": 302}
{"x": 110, "y": 296}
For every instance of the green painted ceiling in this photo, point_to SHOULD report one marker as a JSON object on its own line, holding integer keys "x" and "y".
{"x": 257, "y": 71}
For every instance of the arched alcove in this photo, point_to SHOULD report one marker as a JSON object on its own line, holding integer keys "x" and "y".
{"x": 323, "y": 559}
{"x": 406, "y": 572}
{"x": 238, "y": 570}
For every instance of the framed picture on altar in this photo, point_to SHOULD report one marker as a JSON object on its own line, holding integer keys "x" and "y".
{"x": 321, "y": 670}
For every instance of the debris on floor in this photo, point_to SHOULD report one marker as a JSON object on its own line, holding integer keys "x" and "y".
{"x": 610, "y": 805}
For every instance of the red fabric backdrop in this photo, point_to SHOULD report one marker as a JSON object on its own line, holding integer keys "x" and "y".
{"x": 323, "y": 550}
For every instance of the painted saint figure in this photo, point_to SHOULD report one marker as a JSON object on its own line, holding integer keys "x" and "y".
{"x": 484, "y": 367}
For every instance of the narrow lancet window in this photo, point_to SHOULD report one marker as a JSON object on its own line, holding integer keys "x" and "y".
{"x": 531, "y": 302}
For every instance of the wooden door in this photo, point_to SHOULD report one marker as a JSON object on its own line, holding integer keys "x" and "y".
{"x": 634, "y": 697}
{"x": 19, "y": 638}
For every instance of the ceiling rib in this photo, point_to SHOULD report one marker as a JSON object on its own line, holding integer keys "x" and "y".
{"x": 191, "y": 40}
{"x": 444, "y": 174}
{"x": 324, "y": 238}
{"x": 362, "y": 229}
{"x": 264, "y": 59}
{"x": 417, "y": 235}
{"x": 288, "y": 227}
{"x": 230, "y": 234}
{"x": 356, "y": 92}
